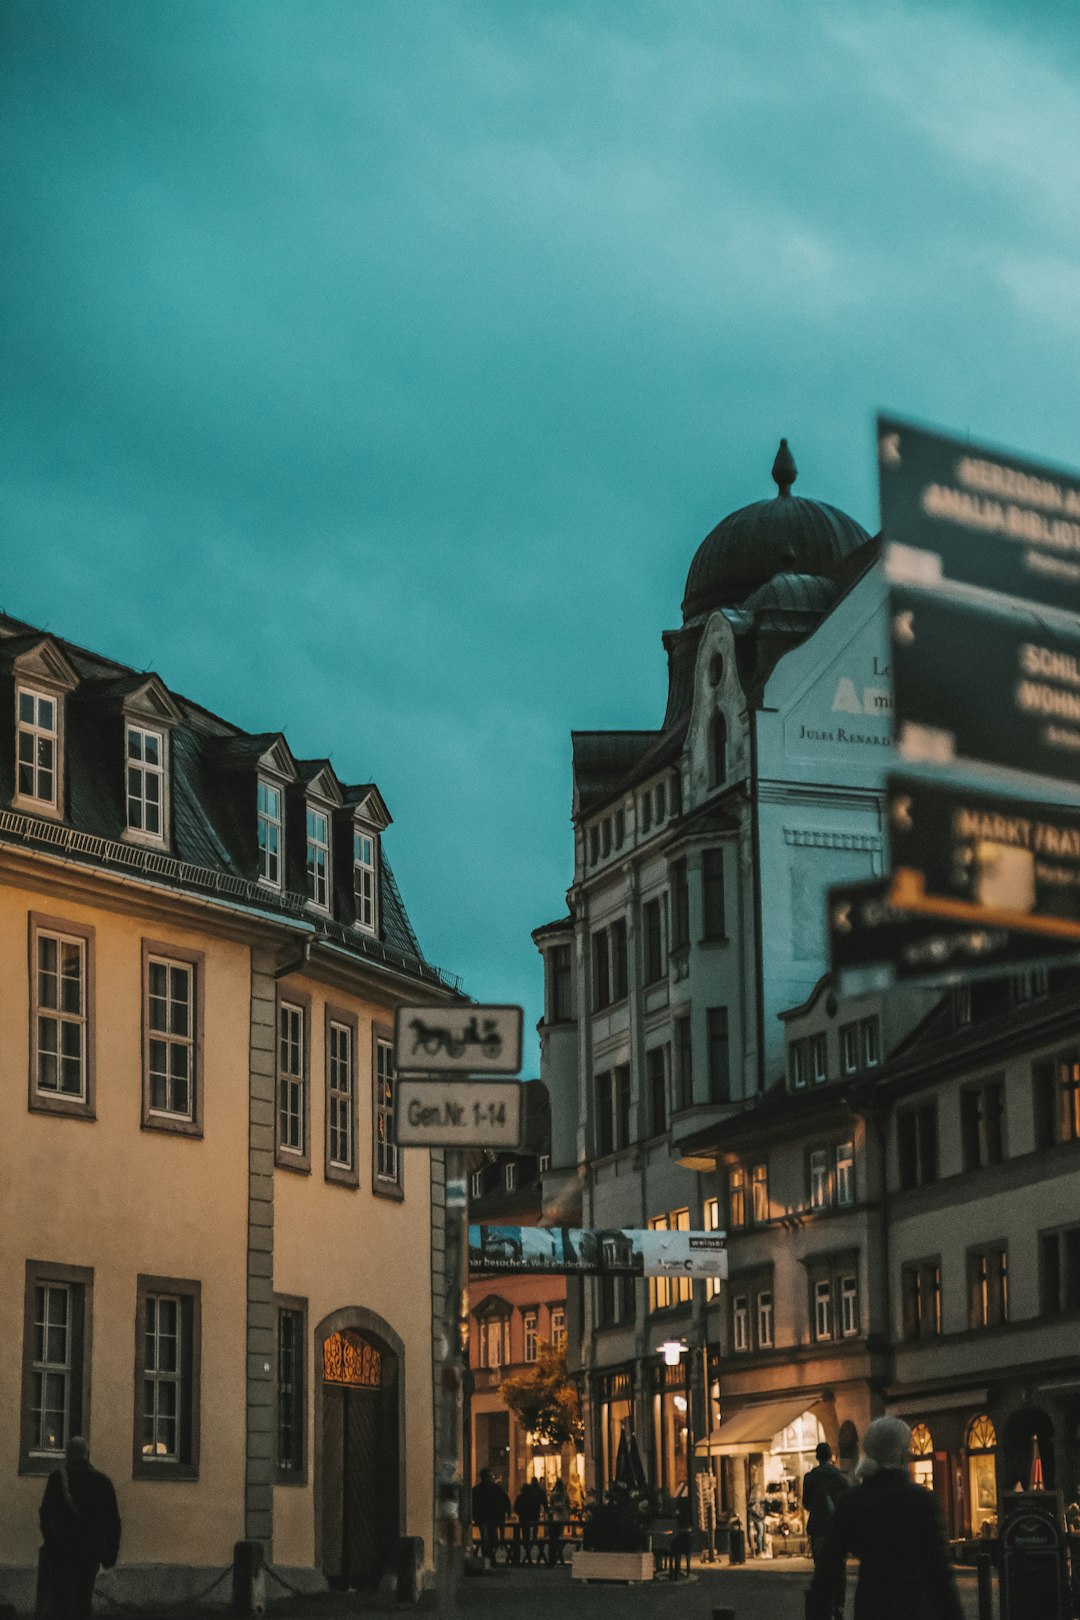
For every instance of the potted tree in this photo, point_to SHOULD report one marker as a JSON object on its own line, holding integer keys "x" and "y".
{"x": 615, "y": 1543}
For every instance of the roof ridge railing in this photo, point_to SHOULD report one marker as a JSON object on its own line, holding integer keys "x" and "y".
{"x": 156, "y": 863}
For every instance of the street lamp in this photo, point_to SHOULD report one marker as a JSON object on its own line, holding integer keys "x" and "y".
{"x": 673, "y": 1351}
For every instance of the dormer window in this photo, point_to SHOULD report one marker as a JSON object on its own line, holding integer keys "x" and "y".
{"x": 145, "y": 782}
{"x": 364, "y": 856}
{"x": 37, "y": 747}
{"x": 270, "y": 833}
{"x": 318, "y": 858}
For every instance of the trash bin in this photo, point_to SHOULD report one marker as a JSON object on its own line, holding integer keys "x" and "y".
{"x": 736, "y": 1543}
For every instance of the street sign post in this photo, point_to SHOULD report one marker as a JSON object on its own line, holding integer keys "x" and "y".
{"x": 960, "y": 512}
{"x": 459, "y": 1113}
{"x": 985, "y": 683}
{"x": 981, "y": 857}
{"x": 437, "y": 1041}
{"x": 872, "y": 943}
{"x": 458, "y": 1039}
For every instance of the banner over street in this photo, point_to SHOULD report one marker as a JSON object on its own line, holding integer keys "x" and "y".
{"x": 983, "y": 517}
{"x": 613, "y": 1251}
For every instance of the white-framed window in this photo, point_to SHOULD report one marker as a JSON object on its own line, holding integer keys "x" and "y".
{"x": 819, "y": 1178}
{"x": 145, "y": 781}
{"x": 799, "y": 1064}
{"x": 711, "y": 1214}
{"x": 364, "y": 880}
{"x": 823, "y": 1309}
{"x": 510, "y": 1176}
{"x": 820, "y": 1059}
{"x": 845, "y": 1173}
{"x": 531, "y": 1323}
{"x": 759, "y": 1193}
{"x": 544, "y": 1163}
{"x": 495, "y": 1342}
{"x": 52, "y": 1368}
{"x": 291, "y": 1078}
{"x": 339, "y": 1097}
{"x": 37, "y": 745}
{"x": 849, "y": 1306}
{"x": 318, "y": 858}
{"x": 271, "y": 833}
{"x": 765, "y": 1320}
{"x": 871, "y": 1043}
{"x": 60, "y": 1016}
{"x": 170, "y": 1025}
{"x": 558, "y": 1328}
{"x": 849, "y": 1048}
{"x": 736, "y": 1197}
{"x": 386, "y": 1149}
{"x": 162, "y": 1378}
{"x": 740, "y": 1322}
{"x": 478, "y": 1183}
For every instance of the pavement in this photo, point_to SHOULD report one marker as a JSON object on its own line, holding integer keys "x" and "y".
{"x": 765, "y": 1589}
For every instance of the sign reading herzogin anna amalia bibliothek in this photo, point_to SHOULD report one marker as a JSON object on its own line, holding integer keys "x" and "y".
{"x": 961, "y": 512}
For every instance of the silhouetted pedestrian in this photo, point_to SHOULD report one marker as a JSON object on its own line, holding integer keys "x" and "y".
{"x": 895, "y": 1529}
{"x": 490, "y": 1506}
{"x": 529, "y": 1503}
{"x": 822, "y": 1489}
{"x": 80, "y": 1526}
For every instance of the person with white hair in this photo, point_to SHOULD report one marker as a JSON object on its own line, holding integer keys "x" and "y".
{"x": 895, "y": 1529}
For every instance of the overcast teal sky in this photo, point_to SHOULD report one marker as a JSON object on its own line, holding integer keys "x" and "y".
{"x": 372, "y": 370}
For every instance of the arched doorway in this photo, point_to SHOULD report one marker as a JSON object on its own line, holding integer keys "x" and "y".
{"x": 1026, "y": 1426}
{"x": 982, "y": 1474}
{"x": 359, "y": 1451}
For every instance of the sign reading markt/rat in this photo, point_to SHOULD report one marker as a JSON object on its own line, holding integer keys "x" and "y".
{"x": 458, "y": 1039}
{"x": 957, "y": 511}
{"x": 984, "y": 857}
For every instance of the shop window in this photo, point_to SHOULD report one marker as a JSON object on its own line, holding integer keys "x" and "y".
{"x": 982, "y": 1475}
{"x": 922, "y": 1456}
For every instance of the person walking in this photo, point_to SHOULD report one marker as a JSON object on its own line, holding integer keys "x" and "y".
{"x": 530, "y": 1502}
{"x": 490, "y": 1506}
{"x": 822, "y": 1489}
{"x": 558, "y": 1515}
{"x": 80, "y": 1528}
{"x": 755, "y": 1513}
{"x": 895, "y": 1529}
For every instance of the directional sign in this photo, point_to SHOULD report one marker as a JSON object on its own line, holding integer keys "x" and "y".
{"x": 984, "y": 858}
{"x": 954, "y": 510}
{"x": 868, "y": 933}
{"x": 459, "y": 1114}
{"x": 461, "y": 1039}
{"x": 995, "y": 684}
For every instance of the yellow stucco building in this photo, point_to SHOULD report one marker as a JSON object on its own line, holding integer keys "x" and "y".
{"x": 216, "y": 1263}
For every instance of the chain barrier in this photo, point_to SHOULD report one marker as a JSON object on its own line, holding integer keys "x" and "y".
{"x": 122, "y": 1606}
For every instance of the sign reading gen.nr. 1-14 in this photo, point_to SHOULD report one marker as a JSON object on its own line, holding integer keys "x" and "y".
{"x": 459, "y": 1113}
{"x": 976, "y": 516}
{"x": 460, "y": 1039}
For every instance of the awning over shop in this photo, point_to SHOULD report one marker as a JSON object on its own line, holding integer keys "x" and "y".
{"x": 753, "y": 1428}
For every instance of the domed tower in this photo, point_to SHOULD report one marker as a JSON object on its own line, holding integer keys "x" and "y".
{"x": 748, "y": 548}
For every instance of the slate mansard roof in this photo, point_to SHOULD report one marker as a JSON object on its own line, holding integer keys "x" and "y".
{"x": 213, "y": 776}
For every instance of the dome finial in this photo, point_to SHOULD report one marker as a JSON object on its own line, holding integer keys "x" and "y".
{"x": 784, "y": 470}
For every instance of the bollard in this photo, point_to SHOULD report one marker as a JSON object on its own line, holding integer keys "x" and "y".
{"x": 410, "y": 1561}
{"x": 248, "y": 1578}
{"x": 736, "y": 1543}
{"x": 985, "y": 1570}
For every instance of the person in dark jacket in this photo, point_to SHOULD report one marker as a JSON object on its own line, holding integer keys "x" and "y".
{"x": 822, "y": 1488}
{"x": 490, "y": 1506}
{"x": 80, "y": 1526}
{"x": 530, "y": 1502}
{"x": 895, "y": 1529}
